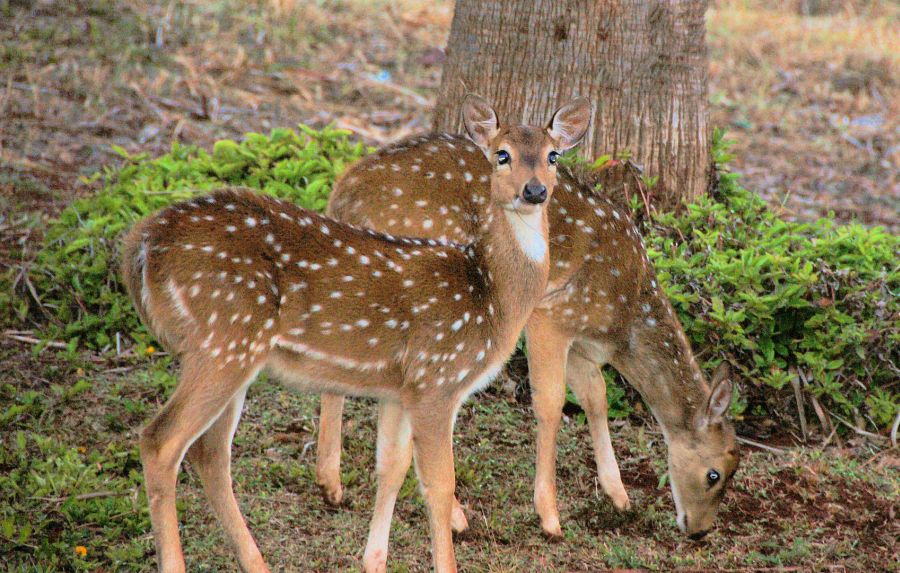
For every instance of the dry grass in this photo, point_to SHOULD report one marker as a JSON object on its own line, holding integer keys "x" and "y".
{"x": 813, "y": 102}
{"x": 78, "y": 77}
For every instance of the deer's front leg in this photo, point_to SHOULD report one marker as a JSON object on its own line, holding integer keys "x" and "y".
{"x": 393, "y": 457}
{"x": 328, "y": 457}
{"x": 585, "y": 379}
{"x": 547, "y": 350}
{"x": 432, "y": 430}
{"x": 328, "y": 450}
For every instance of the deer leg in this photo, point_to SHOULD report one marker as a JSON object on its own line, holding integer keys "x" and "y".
{"x": 202, "y": 395}
{"x": 394, "y": 454}
{"x": 210, "y": 455}
{"x": 328, "y": 461}
{"x": 547, "y": 351}
{"x": 585, "y": 379}
{"x": 432, "y": 437}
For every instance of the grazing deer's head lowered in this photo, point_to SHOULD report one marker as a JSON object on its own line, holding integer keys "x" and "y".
{"x": 603, "y": 305}
{"x": 236, "y": 282}
{"x": 702, "y": 459}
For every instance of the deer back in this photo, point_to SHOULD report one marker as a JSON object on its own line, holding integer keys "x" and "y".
{"x": 437, "y": 185}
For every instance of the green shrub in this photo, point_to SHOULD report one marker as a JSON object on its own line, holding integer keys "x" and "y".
{"x": 75, "y": 273}
{"x": 774, "y": 297}
{"x": 779, "y": 298}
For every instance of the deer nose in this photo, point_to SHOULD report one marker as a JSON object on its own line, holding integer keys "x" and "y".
{"x": 534, "y": 192}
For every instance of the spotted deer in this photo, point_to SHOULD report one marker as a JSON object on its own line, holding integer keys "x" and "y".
{"x": 236, "y": 282}
{"x": 603, "y": 305}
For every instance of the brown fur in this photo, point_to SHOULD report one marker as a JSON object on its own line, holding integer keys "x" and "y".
{"x": 235, "y": 282}
{"x": 603, "y": 305}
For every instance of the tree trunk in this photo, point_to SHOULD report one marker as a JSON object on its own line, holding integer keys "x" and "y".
{"x": 643, "y": 64}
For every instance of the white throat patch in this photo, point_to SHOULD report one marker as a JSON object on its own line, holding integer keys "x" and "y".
{"x": 527, "y": 228}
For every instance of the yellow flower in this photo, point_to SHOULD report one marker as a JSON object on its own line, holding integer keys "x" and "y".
{"x": 150, "y": 350}
{"x": 81, "y": 450}
{"x": 81, "y": 551}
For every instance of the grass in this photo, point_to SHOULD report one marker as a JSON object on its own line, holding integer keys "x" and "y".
{"x": 75, "y": 438}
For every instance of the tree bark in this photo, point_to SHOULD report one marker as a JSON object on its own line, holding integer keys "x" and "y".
{"x": 643, "y": 63}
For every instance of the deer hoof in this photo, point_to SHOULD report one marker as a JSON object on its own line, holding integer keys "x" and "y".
{"x": 458, "y": 521}
{"x": 552, "y": 531}
{"x": 620, "y": 500}
{"x": 375, "y": 562}
{"x": 333, "y": 495}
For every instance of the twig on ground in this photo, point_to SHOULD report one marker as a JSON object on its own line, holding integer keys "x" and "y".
{"x": 829, "y": 438}
{"x": 761, "y": 446}
{"x": 12, "y": 335}
{"x": 119, "y": 370}
{"x": 859, "y": 431}
{"x": 26, "y": 87}
{"x": 801, "y": 410}
{"x": 894, "y": 429}
{"x": 404, "y": 91}
{"x": 827, "y": 426}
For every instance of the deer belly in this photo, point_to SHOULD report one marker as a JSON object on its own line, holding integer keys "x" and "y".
{"x": 307, "y": 369}
{"x": 596, "y": 351}
{"x": 480, "y": 382}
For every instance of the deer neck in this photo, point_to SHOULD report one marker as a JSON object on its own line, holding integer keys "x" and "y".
{"x": 663, "y": 369}
{"x": 512, "y": 252}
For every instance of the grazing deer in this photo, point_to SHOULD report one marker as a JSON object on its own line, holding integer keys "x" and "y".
{"x": 603, "y": 305}
{"x": 236, "y": 282}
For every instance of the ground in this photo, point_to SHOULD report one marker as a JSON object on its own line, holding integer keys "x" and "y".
{"x": 808, "y": 90}
{"x": 812, "y": 508}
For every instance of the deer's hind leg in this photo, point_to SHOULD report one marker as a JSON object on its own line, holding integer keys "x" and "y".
{"x": 210, "y": 456}
{"x": 585, "y": 378}
{"x": 328, "y": 450}
{"x": 204, "y": 391}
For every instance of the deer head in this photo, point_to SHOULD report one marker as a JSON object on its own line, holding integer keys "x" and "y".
{"x": 702, "y": 460}
{"x": 524, "y": 157}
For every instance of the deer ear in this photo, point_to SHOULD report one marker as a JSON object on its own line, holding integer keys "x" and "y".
{"x": 720, "y": 397}
{"x": 570, "y": 123}
{"x": 481, "y": 122}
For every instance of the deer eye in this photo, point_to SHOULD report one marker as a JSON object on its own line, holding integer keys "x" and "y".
{"x": 502, "y": 157}
{"x": 712, "y": 477}
{"x": 553, "y": 157}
